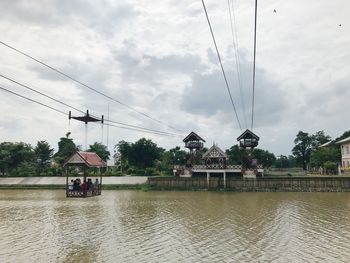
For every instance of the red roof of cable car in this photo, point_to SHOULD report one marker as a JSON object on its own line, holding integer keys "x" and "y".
{"x": 90, "y": 159}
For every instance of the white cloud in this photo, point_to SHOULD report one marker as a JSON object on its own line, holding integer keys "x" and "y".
{"x": 158, "y": 57}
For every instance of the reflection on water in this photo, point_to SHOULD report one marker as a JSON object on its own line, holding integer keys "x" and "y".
{"x": 132, "y": 226}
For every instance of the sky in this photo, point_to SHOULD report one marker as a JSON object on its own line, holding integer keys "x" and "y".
{"x": 158, "y": 58}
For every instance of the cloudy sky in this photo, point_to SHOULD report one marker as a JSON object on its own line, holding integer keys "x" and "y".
{"x": 158, "y": 57}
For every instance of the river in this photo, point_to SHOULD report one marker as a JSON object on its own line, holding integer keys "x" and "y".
{"x": 134, "y": 226}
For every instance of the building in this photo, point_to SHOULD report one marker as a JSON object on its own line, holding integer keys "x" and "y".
{"x": 345, "y": 153}
{"x": 215, "y": 160}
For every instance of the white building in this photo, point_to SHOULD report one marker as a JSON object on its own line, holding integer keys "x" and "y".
{"x": 345, "y": 153}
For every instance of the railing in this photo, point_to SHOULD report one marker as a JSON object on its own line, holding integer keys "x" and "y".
{"x": 194, "y": 145}
{"x": 88, "y": 193}
{"x": 215, "y": 166}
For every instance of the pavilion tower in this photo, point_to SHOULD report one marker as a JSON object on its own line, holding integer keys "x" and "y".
{"x": 193, "y": 142}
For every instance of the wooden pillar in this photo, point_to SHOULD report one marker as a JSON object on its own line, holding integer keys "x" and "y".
{"x": 208, "y": 180}
{"x": 224, "y": 179}
{"x": 100, "y": 185}
{"x": 66, "y": 171}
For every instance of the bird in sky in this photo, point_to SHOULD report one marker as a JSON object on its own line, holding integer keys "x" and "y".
{"x": 274, "y": 11}
{"x": 339, "y": 24}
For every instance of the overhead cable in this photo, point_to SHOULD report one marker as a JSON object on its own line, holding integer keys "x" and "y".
{"x": 253, "y": 95}
{"x": 37, "y": 102}
{"x": 128, "y": 127}
{"x": 87, "y": 86}
{"x": 38, "y": 92}
{"x": 222, "y": 67}
{"x": 238, "y": 64}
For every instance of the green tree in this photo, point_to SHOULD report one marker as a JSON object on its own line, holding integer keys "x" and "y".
{"x": 101, "y": 150}
{"x": 66, "y": 147}
{"x": 303, "y": 148}
{"x": 235, "y": 154}
{"x": 5, "y": 157}
{"x": 141, "y": 154}
{"x": 168, "y": 159}
{"x": 43, "y": 154}
{"x": 13, "y": 154}
{"x": 21, "y": 152}
{"x": 320, "y": 138}
{"x": 306, "y": 144}
{"x": 178, "y": 156}
{"x": 264, "y": 157}
{"x": 323, "y": 155}
{"x": 123, "y": 149}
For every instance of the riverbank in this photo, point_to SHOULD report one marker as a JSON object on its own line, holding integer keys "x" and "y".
{"x": 265, "y": 184}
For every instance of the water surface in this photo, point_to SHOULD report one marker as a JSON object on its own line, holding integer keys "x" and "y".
{"x": 134, "y": 226}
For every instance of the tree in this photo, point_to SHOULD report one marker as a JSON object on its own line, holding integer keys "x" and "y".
{"x": 168, "y": 159}
{"x": 43, "y": 154}
{"x": 141, "y": 154}
{"x": 5, "y": 157}
{"x": 323, "y": 155}
{"x": 235, "y": 155}
{"x": 264, "y": 157}
{"x": 320, "y": 138}
{"x": 101, "y": 150}
{"x": 123, "y": 149}
{"x": 303, "y": 148}
{"x": 66, "y": 147}
{"x": 13, "y": 154}
{"x": 178, "y": 156}
{"x": 306, "y": 144}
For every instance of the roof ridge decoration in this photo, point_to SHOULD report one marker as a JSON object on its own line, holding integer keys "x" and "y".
{"x": 215, "y": 152}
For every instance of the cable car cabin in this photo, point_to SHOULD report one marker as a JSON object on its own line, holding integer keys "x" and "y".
{"x": 248, "y": 139}
{"x": 88, "y": 186}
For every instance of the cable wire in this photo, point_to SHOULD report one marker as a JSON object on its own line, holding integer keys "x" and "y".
{"x": 75, "y": 108}
{"x": 38, "y": 92}
{"x": 238, "y": 64}
{"x": 222, "y": 67}
{"x": 37, "y": 102}
{"x": 253, "y": 96}
{"x": 87, "y": 86}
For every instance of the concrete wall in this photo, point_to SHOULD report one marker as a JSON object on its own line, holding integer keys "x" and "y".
{"x": 297, "y": 184}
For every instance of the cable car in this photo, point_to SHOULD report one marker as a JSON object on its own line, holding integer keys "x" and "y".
{"x": 89, "y": 186}
{"x": 82, "y": 161}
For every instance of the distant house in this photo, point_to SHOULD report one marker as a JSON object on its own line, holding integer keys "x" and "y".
{"x": 345, "y": 153}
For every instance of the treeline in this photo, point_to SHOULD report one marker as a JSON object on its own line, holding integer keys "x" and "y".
{"x": 21, "y": 159}
{"x": 144, "y": 157}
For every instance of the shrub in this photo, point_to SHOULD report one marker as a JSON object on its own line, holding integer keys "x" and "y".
{"x": 130, "y": 171}
{"x": 150, "y": 171}
{"x": 26, "y": 169}
{"x": 330, "y": 165}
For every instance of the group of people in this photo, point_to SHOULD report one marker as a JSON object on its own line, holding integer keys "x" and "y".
{"x": 85, "y": 186}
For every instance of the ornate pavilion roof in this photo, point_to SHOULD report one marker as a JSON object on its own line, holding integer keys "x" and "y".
{"x": 193, "y": 137}
{"x": 215, "y": 152}
{"x": 90, "y": 159}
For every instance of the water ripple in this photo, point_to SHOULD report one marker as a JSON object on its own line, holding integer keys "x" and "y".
{"x": 131, "y": 226}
